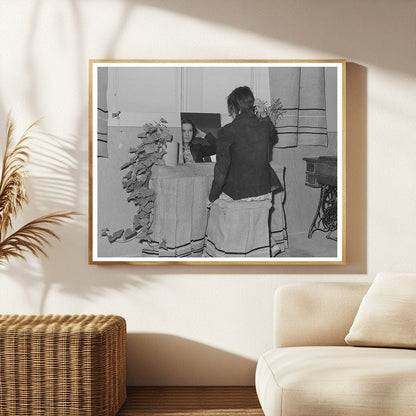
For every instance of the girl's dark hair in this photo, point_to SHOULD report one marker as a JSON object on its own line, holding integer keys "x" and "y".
{"x": 189, "y": 121}
{"x": 241, "y": 100}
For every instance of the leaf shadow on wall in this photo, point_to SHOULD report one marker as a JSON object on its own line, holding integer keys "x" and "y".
{"x": 338, "y": 28}
{"x": 58, "y": 180}
{"x": 163, "y": 359}
{"x": 78, "y": 83}
{"x": 52, "y": 186}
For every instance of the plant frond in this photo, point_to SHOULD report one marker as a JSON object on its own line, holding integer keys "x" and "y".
{"x": 12, "y": 182}
{"x": 33, "y": 237}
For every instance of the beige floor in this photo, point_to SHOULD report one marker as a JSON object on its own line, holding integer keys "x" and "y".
{"x": 317, "y": 246}
{"x": 191, "y": 401}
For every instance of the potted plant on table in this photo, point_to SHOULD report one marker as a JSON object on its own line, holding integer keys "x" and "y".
{"x": 275, "y": 111}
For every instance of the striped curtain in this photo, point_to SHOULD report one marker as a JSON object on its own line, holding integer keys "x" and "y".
{"x": 302, "y": 92}
{"x": 102, "y": 111}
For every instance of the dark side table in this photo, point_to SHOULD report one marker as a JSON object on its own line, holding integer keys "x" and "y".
{"x": 321, "y": 172}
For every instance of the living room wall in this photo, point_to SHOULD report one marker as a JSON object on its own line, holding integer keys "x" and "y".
{"x": 196, "y": 325}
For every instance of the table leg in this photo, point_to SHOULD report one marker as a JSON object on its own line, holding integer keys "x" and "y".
{"x": 325, "y": 218}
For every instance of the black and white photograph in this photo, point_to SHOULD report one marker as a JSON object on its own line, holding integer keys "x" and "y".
{"x": 207, "y": 162}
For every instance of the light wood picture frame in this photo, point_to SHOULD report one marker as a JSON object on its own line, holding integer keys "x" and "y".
{"x": 149, "y": 186}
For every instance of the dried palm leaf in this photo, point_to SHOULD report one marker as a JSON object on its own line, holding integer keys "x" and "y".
{"x": 12, "y": 183}
{"x": 33, "y": 237}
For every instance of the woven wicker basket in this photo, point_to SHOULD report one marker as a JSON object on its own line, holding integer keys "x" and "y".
{"x": 71, "y": 365}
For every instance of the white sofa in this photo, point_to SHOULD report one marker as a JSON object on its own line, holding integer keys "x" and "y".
{"x": 311, "y": 371}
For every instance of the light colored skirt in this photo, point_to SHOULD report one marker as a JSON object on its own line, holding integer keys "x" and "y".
{"x": 238, "y": 228}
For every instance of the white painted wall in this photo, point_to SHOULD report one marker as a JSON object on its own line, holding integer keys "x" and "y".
{"x": 204, "y": 325}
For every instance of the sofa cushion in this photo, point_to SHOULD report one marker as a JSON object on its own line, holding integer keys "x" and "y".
{"x": 315, "y": 314}
{"x": 387, "y": 314}
{"x": 304, "y": 381}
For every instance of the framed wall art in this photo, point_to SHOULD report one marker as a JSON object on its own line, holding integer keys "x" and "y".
{"x": 217, "y": 162}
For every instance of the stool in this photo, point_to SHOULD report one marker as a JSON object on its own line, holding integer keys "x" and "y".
{"x": 72, "y": 365}
{"x": 238, "y": 229}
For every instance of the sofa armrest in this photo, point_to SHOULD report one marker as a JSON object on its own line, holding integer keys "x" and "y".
{"x": 315, "y": 313}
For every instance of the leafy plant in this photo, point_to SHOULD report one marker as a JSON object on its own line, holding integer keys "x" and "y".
{"x": 149, "y": 152}
{"x": 34, "y": 236}
{"x": 275, "y": 111}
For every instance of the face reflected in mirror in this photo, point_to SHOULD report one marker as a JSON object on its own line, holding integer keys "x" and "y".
{"x": 187, "y": 132}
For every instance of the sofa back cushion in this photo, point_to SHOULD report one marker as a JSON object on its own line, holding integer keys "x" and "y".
{"x": 387, "y": 314}
{"x": 308, "y": 314}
